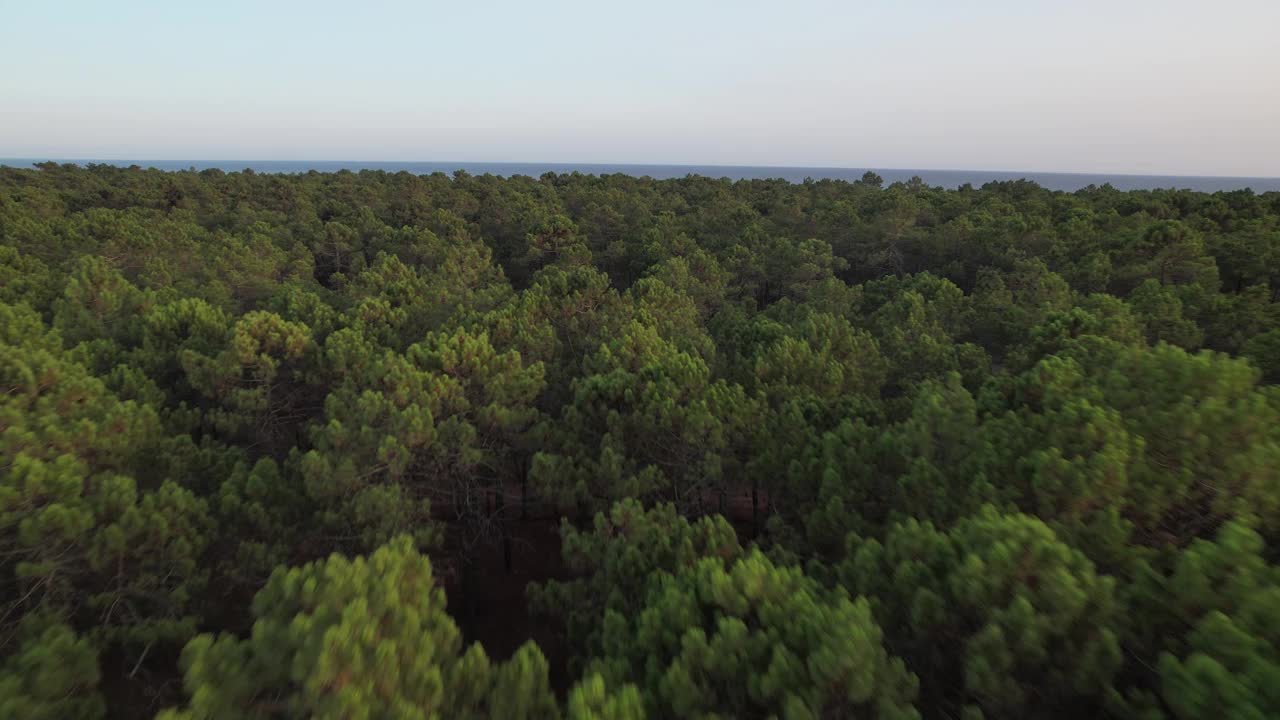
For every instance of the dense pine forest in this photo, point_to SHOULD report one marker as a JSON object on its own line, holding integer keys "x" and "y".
{"x": 374, "y": 445}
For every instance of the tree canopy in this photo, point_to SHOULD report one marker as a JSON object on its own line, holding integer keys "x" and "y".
{"x": 278, "y": 446}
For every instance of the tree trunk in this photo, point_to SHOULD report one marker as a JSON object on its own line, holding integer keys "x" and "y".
{"x": 468, "y": 595}
{"x": 504, "y": 531}
{"x": 524, "y": 487}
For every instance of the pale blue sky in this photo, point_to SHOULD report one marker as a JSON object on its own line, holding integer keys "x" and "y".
{"x": 1140, "y": 86}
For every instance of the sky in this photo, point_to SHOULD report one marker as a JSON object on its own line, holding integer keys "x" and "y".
{"x": 1125, "y": 86}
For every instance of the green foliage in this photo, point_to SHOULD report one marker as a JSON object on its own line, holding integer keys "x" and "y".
{"x": 614, "y": 561}
{"x": 98, "y": 305}
{"x": 49, "y": 674}
{"x": 917, "y": 327}
{"x": 646, "y": 421}
{"x": 1025, "y": 441}
{"x": 367, "y": 637}
{"x": 1264, "y": 351}
{"x": 25, "y": 278}
{"x": 254, "y": 379}
{"x": 442, "y": 419}
{"x": 989, "y": 612}
{"x": 1212, "y": 621}
{"x": 81, "y": 536}
{"x": 590, "y": 700}
{"x": 749, "y": 638}
{"x": 1162, "y": 313}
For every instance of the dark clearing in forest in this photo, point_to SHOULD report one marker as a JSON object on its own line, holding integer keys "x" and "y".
{"x": 391, "y": 445}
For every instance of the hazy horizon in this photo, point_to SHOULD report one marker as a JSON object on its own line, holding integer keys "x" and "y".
{"x": 173, "y": 162}
{"x": 944, "y": 178}
{"x": 1177, "y": 88}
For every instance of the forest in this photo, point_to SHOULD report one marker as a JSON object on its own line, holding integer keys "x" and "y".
{"x": 384, "y": 445}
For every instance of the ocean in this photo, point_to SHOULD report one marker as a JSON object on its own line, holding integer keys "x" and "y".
{"x": 945, "y": 178}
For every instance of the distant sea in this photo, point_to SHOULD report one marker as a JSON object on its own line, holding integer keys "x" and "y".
{"x": 944, "y": 178}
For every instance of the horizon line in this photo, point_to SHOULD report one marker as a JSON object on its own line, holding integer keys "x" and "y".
{"x": 1080, "y": 173}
